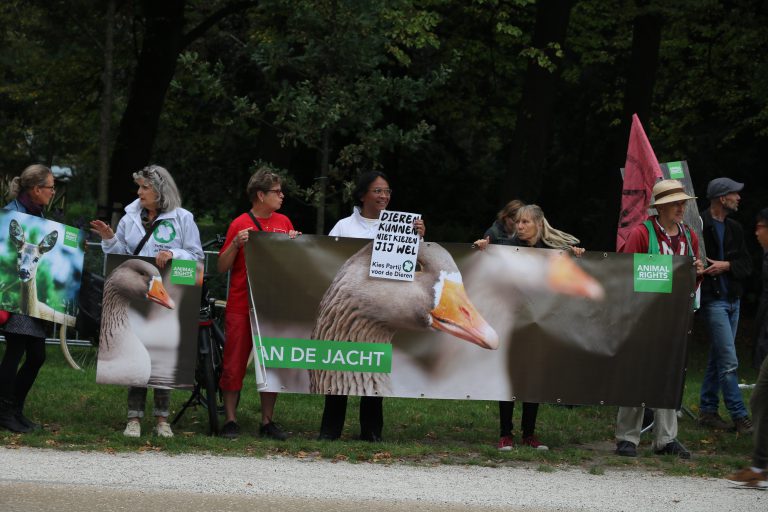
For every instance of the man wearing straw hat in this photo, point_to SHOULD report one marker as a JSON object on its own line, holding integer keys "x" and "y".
{"x": 664, "y": 233}
{"x": 729, "y": 265}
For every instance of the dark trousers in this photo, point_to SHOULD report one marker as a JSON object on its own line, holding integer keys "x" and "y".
{"x": 16, "y": 382}
{"x": 759, "y": 403}
{"x": 335, "y": 411}
{"x": 528, "y": 422}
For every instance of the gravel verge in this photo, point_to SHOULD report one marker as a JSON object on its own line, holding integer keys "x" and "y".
{"x": 388, "y": 485}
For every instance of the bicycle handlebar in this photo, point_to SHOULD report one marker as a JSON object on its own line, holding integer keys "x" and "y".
{"x": 217, "y": 241}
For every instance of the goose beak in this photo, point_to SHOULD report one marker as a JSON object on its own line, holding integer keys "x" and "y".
{"x": 456, "y": 315}
{"x": 566, "y": 277}
{"x": 157, "y": 293}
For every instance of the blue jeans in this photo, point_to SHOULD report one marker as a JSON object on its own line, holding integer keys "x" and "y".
{"x": 722, "y": 317}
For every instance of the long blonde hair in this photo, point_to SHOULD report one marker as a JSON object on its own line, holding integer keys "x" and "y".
{"x": 550, "y": 236}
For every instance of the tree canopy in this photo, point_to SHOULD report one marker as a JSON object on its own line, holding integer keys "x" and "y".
{"x": 464, "y": 104}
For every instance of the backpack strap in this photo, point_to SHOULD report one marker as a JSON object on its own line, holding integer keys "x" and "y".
{"x": 687, "y": 232}
{"x": 149, "y": 232}
{"x": 255, "y": 221}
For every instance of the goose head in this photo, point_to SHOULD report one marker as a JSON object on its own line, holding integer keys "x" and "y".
{"x": 531, "y": 271}
{"x": 139, "y": 280}
{"x": 435, "y": 299}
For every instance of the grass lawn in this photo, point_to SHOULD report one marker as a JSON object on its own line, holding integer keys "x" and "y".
{"x": 78, "y": 414}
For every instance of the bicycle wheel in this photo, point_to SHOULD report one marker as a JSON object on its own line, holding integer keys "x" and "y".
{"x": 79, "y": 354}
{"x": 210, "y": 383}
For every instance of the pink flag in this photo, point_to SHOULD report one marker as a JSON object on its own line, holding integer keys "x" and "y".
{"x": 641, "y": 172}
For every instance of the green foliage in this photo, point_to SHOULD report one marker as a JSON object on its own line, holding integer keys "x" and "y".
{"x": 352, "y": 87}
{"x": 428, "y": 91}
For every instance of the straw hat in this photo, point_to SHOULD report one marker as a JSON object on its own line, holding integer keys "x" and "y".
{"x": 669, "y": 191}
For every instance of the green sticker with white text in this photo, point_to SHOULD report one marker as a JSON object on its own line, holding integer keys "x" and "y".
{"x": 653, "y": 273}
{"x": 675, "y": 170}
{"x": 183, "y": 272}
{"x": 71, "y": 236}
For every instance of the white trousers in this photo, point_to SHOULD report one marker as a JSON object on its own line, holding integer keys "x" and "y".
{"x": 630, "y": 421}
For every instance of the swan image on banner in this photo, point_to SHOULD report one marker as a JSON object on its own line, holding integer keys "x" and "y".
{"x": 358, "y": 308}
{"x": 123, "y": 357}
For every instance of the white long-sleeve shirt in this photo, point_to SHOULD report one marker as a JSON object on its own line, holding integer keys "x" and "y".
{"x": 176, "y": 232}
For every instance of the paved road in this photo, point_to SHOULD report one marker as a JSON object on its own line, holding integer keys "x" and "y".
{"x": 34, "y": 480}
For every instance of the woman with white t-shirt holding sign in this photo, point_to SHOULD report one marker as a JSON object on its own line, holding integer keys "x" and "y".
{"x": 371, "y": 195}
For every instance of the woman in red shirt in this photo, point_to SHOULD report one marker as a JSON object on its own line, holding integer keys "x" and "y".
{"x": 266, "y": 196}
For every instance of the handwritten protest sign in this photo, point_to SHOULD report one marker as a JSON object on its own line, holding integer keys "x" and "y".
{"x": 395, "y": 246}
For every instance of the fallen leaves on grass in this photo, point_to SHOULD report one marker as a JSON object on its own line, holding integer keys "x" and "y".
{"x": 380, "y": 456}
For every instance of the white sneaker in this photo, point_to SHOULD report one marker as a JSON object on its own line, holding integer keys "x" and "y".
{"x": 132, "y": 429}
{"x": 163, "y": 429}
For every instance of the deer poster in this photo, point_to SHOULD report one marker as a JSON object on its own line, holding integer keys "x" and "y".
{"x": 41, "y": 265}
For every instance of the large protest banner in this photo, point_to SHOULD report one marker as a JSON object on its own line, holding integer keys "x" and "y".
{"x": 149, "y": 323}
{"x": 501, "y": 324}
{"x": 41, "y": 265}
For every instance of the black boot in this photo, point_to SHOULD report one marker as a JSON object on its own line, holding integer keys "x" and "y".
{"x": 24, "y": 420}
{"x": 8, "y": 418}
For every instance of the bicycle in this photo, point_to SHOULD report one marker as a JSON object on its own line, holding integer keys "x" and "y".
{"x": 210, "y": 351}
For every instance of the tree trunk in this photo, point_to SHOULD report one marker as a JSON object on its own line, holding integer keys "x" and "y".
{"x": 163, "y": 36}
{"x": 644, "y": 62}
{"x": 638, "y": 98}
{"x": 530, "y": 140}
{"x": 164, "y": 40}
{"x": 322, "y": 182}
{"x": 105, "y": 121}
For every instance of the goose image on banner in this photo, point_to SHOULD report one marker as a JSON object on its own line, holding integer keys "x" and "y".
{"x": 359, "y": 308}
{"x": 123, "y": 358}
{"x": 504, "y": 282}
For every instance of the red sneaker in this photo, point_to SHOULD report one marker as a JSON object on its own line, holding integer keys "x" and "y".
{"x": 533, "y": 442}
{"x": 506, "y": 443}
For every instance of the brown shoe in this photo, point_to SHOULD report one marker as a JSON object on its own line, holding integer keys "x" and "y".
{"x": 743, "y": 425}
{"x": 748, "y": 478}
{"x": 714, "y": 421}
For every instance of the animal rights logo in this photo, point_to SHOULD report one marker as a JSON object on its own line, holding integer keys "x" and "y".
{"x": 165, "y": 232}
{"x": 408, "y": 265}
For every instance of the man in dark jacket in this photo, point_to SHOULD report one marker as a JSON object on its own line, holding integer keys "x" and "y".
{"x": 729, "y": 265}
{"x": 756, "y": 476}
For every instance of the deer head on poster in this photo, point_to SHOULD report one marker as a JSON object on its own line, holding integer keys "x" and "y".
{"x": 27, "y": 262}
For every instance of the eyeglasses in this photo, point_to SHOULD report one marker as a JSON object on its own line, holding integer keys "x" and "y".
{"x": 277, "y": 191}
{"x": 52, "y": 187}
{"x": 382, "y": 191}
{"x": 760, "y": 225}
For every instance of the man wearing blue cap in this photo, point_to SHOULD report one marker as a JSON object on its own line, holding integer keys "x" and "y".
{"x": 729, "y": 265}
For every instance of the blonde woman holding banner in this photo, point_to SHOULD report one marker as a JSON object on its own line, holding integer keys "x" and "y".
{"x": 531, "y": 229}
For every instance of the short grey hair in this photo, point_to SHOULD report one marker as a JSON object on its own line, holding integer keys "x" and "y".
{"x": 261, "y": 181}
{"x": 33, "y": 176}
{"x": 168, "y": 197}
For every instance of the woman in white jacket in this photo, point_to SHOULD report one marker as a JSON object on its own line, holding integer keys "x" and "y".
{"x": 174, "y": 235}
{"x": 371, "y": 196}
